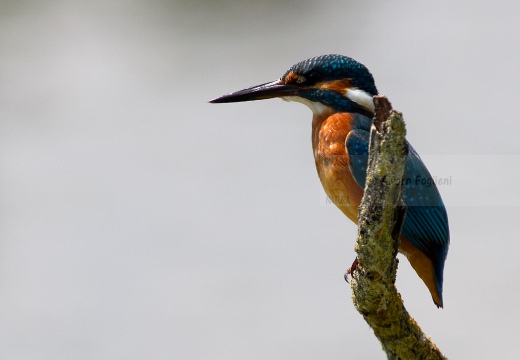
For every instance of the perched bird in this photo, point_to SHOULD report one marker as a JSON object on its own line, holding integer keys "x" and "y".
{"x": 340, "y": 91}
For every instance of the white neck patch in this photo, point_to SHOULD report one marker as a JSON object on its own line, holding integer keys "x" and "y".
{"x": 361, "y": 97}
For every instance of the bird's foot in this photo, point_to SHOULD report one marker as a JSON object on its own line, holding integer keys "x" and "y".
{"x": 351, "y": 270}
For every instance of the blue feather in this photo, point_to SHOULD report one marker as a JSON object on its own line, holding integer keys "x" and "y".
{"x": 426, "y": 223}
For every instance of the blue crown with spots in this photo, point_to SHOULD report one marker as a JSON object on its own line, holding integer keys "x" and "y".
{"x": 336, "y": 67}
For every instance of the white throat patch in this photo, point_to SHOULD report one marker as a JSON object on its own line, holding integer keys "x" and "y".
{"x": 316, "y": 107}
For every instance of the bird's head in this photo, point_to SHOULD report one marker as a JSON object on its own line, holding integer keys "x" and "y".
{"x": 333, "y": 82}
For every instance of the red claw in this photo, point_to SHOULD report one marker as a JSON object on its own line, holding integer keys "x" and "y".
{"x": 351, "y": 270}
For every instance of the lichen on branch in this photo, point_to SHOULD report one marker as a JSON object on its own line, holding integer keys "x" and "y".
{"x": 381, "y": 216}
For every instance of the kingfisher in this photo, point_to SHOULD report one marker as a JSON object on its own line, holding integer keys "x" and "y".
{"x": 339, "y": 91}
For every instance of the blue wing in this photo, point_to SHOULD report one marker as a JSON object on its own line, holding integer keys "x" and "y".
{"x": 426, "y": 223}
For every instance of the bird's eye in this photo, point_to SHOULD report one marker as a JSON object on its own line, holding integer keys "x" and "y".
{"x": 307, "y": 79}
{"x": 313, "y": 77}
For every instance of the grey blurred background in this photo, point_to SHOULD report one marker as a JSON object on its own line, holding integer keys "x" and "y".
{"x": 137, "y": 221}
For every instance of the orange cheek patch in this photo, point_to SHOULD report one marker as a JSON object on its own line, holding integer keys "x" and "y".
{"x": 291, "y": 78}
{"x": 338, "y": 86}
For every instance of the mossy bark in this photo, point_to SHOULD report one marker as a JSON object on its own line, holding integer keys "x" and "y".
{"x": 381, "y": 215}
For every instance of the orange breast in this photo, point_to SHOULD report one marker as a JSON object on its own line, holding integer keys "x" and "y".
{"x": 329, "y": 132}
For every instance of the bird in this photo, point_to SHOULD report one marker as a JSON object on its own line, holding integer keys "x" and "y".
{"x": 339, "y": 91}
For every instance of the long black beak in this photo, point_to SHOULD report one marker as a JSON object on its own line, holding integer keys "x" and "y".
{"x": 260, "y": 92}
